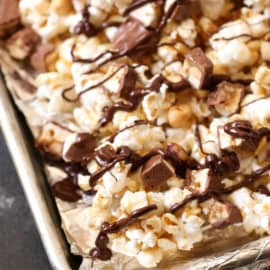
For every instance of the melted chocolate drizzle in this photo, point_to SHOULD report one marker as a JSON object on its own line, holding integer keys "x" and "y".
{"x": 87, "y": 28}
{"x": 137, "y": 4}
{"x": 101, "y": 251}
{"x": 248, "y": 179}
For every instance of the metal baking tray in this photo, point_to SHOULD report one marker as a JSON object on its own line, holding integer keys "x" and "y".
{"x": 29, "y": 168}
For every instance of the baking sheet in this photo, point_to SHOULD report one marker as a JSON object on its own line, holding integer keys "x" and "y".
{"x": 33, "y": 183}
{"x": 45, "y": 214}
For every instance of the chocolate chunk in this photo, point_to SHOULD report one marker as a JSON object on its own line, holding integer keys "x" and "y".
{"x": 66, "y": 190}
{"x": 21, "y": 44}
{"x": 263, "y": 190}
{"x": 223, "y": 214}
{"x": 128, "y": 81}
{"x": 197, "y": 68}
{"x": 9, "y": 16}
{"x": 184, "y": 10}
{"x": 155, "y": 172}
{"x": 79, "y": 147}
{"x": 105, "y": 155}
{"x": 38, "y": 59}
{"x": 202, "y": 181}
{"x": 227, "y": 98}
{"x": 223, "y": 166}
{"x": 130, "y": 34}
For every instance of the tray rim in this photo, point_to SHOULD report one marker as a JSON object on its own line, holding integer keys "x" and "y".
{"x": 32, "y": 179}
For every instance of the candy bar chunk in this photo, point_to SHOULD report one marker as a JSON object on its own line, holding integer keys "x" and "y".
{"x": 127, "y": 82}
{"x": 78, "y": 147}
{"x": 222, "y": 214}
{"x": 197, "y": 68}
{"x": 227, "y": 98}
{"x": 38, "y": 59}
{"x": 130, "y": 34}
{"x": 155, "y": 172}
{"x": 9, "y": 17}
{"x": 202, "y": 181}
{"x": 21, "y": 44}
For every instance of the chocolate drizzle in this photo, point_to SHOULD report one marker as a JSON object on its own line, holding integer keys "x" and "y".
{"x": 248, "y": 180}
{"x": 137, "y": 4}
{"x": 149, "y": 38}
{"x": 101, "y": 251}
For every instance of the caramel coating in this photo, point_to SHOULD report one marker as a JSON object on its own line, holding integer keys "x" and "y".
{"x": 61, "y": 7}
{"x": 181, "y": 116}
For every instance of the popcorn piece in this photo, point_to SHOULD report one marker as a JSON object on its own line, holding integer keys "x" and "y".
{"x": 212, "y": 8}
{"x": 189, "y": 232}
{"x": 130, "y": 34}
{"x": 132, "y": 201}
{"x": 152, "y": 224}
{"x": 39, "y": 58}
{"x": 197, "y": 68}
{"x": 140, "y": 138}
{"x": 123, "y": 246}
{"x": 116, "y": 180}
{"x": 123, "y": 83}
{"x": 262, "y": 77}
{"x": 166, "y": 244}
{"x": 61, "y": 7}
{"x": 175, "y": 195}
{"x": 181, "y": 116}
{"x": 155, "y": 172}
{"x": 227, "y": 98}
{"x": 9, "y": 16}
{"x": 150, "y": 257}
{"x": 236, "y": 55}
{"x": 79, "y": 146}
{"x": 148, "y": 14}
{"x": 21, "y": 44}
{"x": 170, "y": 223}
{"x": 202, "y": 181}
{"x": 223, "y": 214}
{"x": 265, "y": 50}
{"x": 187, "y": 31}
{"x": 51, "y": 139}
{"x": 57, "y": 104}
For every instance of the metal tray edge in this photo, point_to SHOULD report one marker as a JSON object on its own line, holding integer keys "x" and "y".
{"x": 33, "y": 184}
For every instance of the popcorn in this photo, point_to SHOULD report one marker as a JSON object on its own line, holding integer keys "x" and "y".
{"x": 236, "y": 55}
{"x": 148, "y": 14}
{"x": 212, "y": 8}
{"x": 149, "y": 257}
{"x": 262, "y": 77}
{"x": 116, "y": 180}
{"x": 132, "y": 201}
{"x": 187, "y": 32}
{"x": 58, "y": 105}
{"x": 166, "y": 245}
{"x": 170, "y": 223}
{"x": 189, "y": 233}
{"x": 265, "y": 50}
{"x": 174, "y": 195}
{"x": 156, "y": 105}
{"x": 140, "y": 138}
{"x": 124, "y": 246}
{"x": 255, "y": 210}
{"x": 152, "y": 224}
